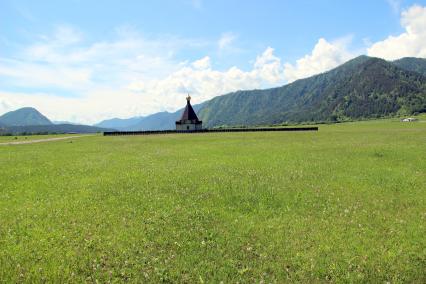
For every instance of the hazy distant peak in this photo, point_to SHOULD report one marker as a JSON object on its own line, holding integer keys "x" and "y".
{"x": 24, "y": 117}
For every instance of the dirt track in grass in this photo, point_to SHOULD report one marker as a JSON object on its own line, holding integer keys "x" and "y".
{"x": 42, "y": 140}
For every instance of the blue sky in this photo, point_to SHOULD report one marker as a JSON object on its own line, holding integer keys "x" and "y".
{"x": 89, "y": 60}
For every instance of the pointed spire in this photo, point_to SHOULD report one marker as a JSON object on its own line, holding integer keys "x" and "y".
{"x": 189, "y": 113}
{"x": 189, "y": 120}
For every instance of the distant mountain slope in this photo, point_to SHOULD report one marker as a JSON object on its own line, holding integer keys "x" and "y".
{"x": 54, "y": 128}
{"x": 412, "y": 64}
{"x": 361, "y": 88}
{"x": 119, "y": 123}
{"x": 162, "y": 120}
{"x": 364, "y": 87}
{"x": 157, "y": 121}
{"x": 24, "y": 117}
{"x": 30, "y": 121}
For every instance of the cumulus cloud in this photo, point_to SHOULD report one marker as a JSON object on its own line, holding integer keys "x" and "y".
{"x": 203, "y": 83}
{"x": 132, "y": 75}
{"x": 144, "y": 96}
{"x": 412, "y": 42}
{"x": 203, "y": 63}
{"x": 5, "y": 105}
{"x": 325, "y": 56}
{"x": 128, "y": 76}
{"x": 86, "y": 109}
{"x": 268, "y": 67}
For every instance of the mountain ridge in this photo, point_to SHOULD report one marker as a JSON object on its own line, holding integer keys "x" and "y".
{"x": 20, "y": 122}
{"x": 156, "y": 121}
{"x": 412, "y": 64}
{"x": 335, "y": 95}
{"x": 119, "y": 123}
{"x": 363, "y": 87}
{"x": 24, "y": 117}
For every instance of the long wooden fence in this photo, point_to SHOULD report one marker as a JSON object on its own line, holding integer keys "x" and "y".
{"x": 153, "y": 132}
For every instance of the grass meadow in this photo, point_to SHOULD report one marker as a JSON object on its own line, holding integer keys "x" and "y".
{"x": 344, "y": 204}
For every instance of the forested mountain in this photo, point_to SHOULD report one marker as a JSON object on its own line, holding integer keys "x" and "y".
{"x": 412, "y": 64}
{"x": 24, "y": 117}
{"x": 364, "y": 87}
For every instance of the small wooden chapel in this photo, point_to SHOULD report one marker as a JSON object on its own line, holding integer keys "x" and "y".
{"x": 189, "y": 120}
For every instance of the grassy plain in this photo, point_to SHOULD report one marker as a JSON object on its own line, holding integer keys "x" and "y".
{"x": 345, "y": 204}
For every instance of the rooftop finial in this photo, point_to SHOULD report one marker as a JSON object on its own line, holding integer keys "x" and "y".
{"x": 188, "y": 98}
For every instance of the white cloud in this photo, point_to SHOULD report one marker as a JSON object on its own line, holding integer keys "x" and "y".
{"x": 268, "y": 67}
{"x": 410, "y": 43}
{"x": 325, "y": 56}
{"x": 5, "y": 105}
{"x": 203, "y": 63}
{"x": 144, "y": 96}
{"x": 66, "y": 35}
{"x": 25, "y": 74}
{"x": 89, "y": 108}
{"x": 133, "y": 75}
{"x": 226, "y": 40}
{"x": 128, "y": 76}
{"x": 204, "y": 83}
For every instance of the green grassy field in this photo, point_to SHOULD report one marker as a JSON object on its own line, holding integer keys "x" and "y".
{"x": 345, "y": 204}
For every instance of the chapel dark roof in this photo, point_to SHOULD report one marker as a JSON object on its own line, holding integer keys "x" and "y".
{"x": 189, "y": 113}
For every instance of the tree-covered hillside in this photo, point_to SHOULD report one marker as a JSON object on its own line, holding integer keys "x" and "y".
{"x": 412, "y": 64}
{"x": 361, "y": 88}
